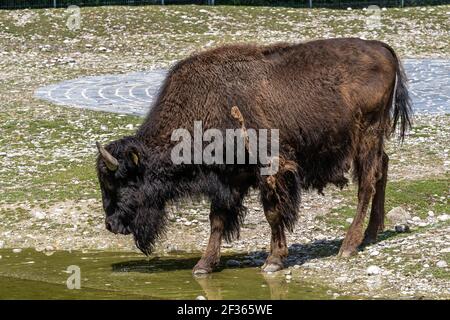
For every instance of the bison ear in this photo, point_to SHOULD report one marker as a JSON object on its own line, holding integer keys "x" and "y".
{"x": 134, "y": 158}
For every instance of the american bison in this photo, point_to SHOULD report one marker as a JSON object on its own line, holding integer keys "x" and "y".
{"x": 334, "y": 102}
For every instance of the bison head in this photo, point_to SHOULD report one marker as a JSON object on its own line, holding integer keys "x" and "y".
{"x": 129, "y": 196}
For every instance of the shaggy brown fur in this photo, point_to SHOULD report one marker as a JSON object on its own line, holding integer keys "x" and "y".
{"x": 334, "y": 103}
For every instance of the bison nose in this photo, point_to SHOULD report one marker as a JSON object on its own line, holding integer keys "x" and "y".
{"x": 108, "y": 225}
{"x": 111, "y": 225}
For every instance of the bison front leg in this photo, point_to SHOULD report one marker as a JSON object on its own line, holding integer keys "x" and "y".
{"x": 211, "y": 256}
{"x": 280, "y": 195}
{"x": 278, "y": 247}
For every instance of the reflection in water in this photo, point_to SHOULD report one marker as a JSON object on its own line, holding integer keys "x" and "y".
{"x": 212, "y": 288}
{"x": 277, "y": 284}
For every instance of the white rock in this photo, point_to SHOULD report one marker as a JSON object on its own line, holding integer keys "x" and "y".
{"x": 441, "y": 264}
{"x": 39, "y": 215}
{"x": 373, "y": 270}
{"x": 17, "y": 250}
{"x": 443, "y": 217}
{"x": 2, "y": 244}
{"x": 288, "y": 277}
{"x": 349, "y": 220}
{"x": 375, "y": 253}
{"x": 430, "y": 213}
{"x": 416, "y": 219}
{"x": 341, "y": 279}
{"x": 398, "y": 215}
{"x": 200, "y": 298}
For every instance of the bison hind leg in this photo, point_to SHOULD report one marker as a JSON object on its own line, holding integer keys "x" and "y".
{"x": 377, "y": 213}
{"x": 367, "y": 164}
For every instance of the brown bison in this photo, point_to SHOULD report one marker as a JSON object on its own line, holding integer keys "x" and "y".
{"x": 334, "y": 102}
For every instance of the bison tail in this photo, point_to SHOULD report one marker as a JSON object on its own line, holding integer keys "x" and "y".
{"x": 401, "y": 108}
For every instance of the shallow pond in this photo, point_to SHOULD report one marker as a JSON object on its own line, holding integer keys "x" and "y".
{"x": 111, "y": 275}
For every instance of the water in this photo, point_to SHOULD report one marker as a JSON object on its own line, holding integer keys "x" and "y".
{"x": 429, "y": 85}
{"x": 112, "y": 275}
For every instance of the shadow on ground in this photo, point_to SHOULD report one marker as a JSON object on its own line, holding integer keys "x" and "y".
{"x": 298, "y": 255}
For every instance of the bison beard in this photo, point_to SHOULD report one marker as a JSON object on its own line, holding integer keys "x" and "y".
{"x": 334, "y": 102}
{"x": 148, "y": 226}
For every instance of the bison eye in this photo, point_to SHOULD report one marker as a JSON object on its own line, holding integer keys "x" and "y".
{"x": 107, "y": 183}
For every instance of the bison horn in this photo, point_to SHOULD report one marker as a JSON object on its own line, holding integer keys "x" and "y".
{"x": 110, "y": 161}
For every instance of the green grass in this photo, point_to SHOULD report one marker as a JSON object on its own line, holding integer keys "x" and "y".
{"x": 56, "y": 151}
{"x": 176, "y": 27}
{"x": 441, "y": 273}
{"x": 77, "y": 182}
{"x": 418, "y": 196}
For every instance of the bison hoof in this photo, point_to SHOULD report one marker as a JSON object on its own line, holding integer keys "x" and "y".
{"x": 272, "y": 267}
{"x": 368, "y": 240}
{"x": 201, "y": 270}
{"x": 346, "y": 253}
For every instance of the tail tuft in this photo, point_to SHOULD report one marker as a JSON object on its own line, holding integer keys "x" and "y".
{"x": 402, "y": 104}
